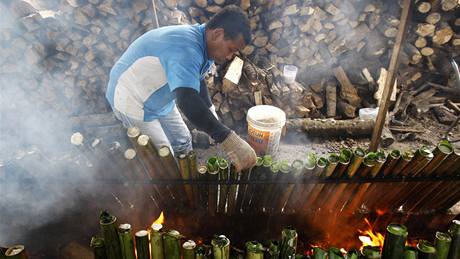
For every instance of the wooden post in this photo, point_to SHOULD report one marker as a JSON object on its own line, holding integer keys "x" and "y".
{"x": 394, "y": 63}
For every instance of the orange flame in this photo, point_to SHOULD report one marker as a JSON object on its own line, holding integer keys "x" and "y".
{"x": 370, "y": 238}
{"x": 160, "y": 219}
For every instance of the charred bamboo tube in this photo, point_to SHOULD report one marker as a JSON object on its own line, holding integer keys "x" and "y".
{"x": 97, "y": 244}
{"x": 223, "y": 188}
{"x": 406, "y": 158}
{"x": 156, "y": 241}
{"x": 262, "y": 174}
{"x": 184, "y": 169}
{"x": 449, "y": 164}
{"x": 221, "y": 247}
{"x": 213, "y": 176}
{"x": 454, "y": 232}
{"x": 352, "y": 254}
{"x": 271, "y": 188}
{"x": 442, "y": 151}
{"x": 171, "y": 244}
{"x": 391, "y": 162}
{"x": 203, "y": 188}
{"x": 334, "y": 253}
{"x": 126, "y": 241}
{"x": 242, "y": 189}
{"x": 288, "y": 243}
{"x": 109, "y": 233}
{"x": 371, "y": 252}
{"x": 284, "y": 190}
{"x": 298, "y": 188}
{"x": 189, "y": 249}
{"x": 410, "y": 253}
{"x": 233, "y": 190}
{"x": 442, "y": 244}
{"x": 395, "y": 241}
{"x": 426, "y": 250}
{"x": 16, "y": 252}
{"x": 258, "y": 172}
{"x": 273, "y": 251}
{"x": 422, "y": 157}
{"x": 193, "y": 165}
{"x": 142, "y": 244}
{"x": 319, "y": 253}
{"x": 254, "y": 250}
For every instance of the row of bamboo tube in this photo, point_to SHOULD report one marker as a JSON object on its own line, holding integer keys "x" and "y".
{"x": 115, "y": 243}
{"x": 413, "y": 181}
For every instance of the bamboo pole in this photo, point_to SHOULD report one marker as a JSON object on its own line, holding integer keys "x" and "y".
{"x": 299, "y": 171}
{"x": 233, "y": 191}
{"x": 126, "y": 241}
{"x": 171, "y": 244}
{"x": 203, "y": 187}
{"x": 184, "y": 169}
{"x": 142, "y": 244}
{"x": 156, "y": 241}
{"x": 223, "y": 188}
{"x": 193, "y": 166}
{"x": 316, "y": 172}
{"x": 242, "y": 189}
{"x": 249, "y": 197}
{"x": 171, "y": 172}
{"x": 98, "y": 246}
{"x": 259, "y": 191}
{"x": 395, "y": 240}
{"x": 109, "y": 233}
{"x": 213, "y": 176}
{"x": 284, "y": 190}
{"x": 442, "y": 244}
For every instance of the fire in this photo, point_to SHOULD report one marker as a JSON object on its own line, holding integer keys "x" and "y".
{"x": 160, "y": 219}
{"x": 369, "y": 238}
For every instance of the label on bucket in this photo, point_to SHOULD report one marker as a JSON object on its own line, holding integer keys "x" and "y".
{"x": 263, "y": 141}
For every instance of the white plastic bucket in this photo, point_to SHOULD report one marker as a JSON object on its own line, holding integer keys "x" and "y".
{"x": 289, "y": 73}
{"x": 265, "y": 123}
{"x": 368, "y": 113}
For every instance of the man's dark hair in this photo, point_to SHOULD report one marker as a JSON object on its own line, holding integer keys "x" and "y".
{"x": 234, "y": 22}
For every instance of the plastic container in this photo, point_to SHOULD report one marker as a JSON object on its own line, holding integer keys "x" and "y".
{"x": 265, "y": 123}
{"x": 368, "y": 113}
{"x": 289, "y": 73}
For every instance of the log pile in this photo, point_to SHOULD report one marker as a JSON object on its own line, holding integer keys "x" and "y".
{"x": 340, "y": 48}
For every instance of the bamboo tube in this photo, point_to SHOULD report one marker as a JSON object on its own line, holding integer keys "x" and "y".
{"x": 426, "y": 250}
{"x": 171, "y": 244}
{"x": 223, "y": 188}
{"x": 321, "y": 165}
{"x": 442, "y": 151}
{"x": 184, "y": 169}
{"x": 213, "y": 176}
{"x": 221, "y": 247}
{"x": 422, "y": 157}
{"x": 410, "y": 253}
{"x": 345, "y": 156}
{"x": 203, "y": 187}
{"x": 333, "y": 160}
{"x": 288, "y": 243}
{"x": 142, "y": 244}
{"x": 148, "y": 153}
{"x": 319, "y": 253}
{"x": 352, "y": 254}
{"x": 156, "y": 241}
{"x": 109, "y": 233}
{"x": 299, "y": 172}
{"x": 256, "y": 172}
{"x": 201, "y": 253}
{"x": 406, "y": 158}
{"x": 242, "y": 189}
{"x": 270, "y": 192}
{"x": 371, "y": 252}
{"x": 442, "y": 244}
{"x": 379, "y": 162}
{"x": 334, "y": 253}
{"x": 390, "y": 163}
{"x": 454, "y": 232}
{"x": 254, "y": 250}
{"x": 126, "y": 241}
{"x": 395, "y": 240}
{"x": 358, "y": 156}
{"x": 189, "y": 249}
{"x": 169, "y": 163}
{"x": 449, "y": 164}
{"x": 233, "y": 191}
{"x": 98, "y": 246}
{"x": 133, "y": 163}
{"x": 193, "y": 165}
{"x": 16, "y": 252}
{"x": 284, "y": 190}
{"x": 273, "y": 250}
{"x": 259, "y": 191}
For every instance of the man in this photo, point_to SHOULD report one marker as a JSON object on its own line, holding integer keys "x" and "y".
{"x": 165, "y": 67}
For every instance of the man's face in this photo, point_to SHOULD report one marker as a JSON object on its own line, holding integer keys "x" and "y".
{"x": 221, "y": 49}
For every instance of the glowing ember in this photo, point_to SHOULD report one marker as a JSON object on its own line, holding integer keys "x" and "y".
{"x": 343, "y": 251}
{"x": 160, "y": 219}
{"x": 369, "y": 238}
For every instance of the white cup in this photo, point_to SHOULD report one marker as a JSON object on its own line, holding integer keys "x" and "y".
{"x": 289, "y": 73}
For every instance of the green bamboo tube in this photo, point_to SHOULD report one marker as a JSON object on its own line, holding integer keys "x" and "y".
{"x": 345, "y": 156}
{"x": 454, "y": 232}
{"x": 395, "y": 241}
{"x": 16, "y": 252}
{"x": 223, "y": 188}
{"x": 442, "y": 244}
{"x": 390, "y": 163}
{"x": 221, "y": 247}
{"x": 142, "y": 244}
{"x": 233, "y": 191}
{"x": 369, "y": 161}
{"x": 422, "y": 157}
{"x": 254, "y": 250}
{"x": 273, "y": 251}
{"x": 371, "y": 252}
{"x": 406, "y": 158}
{"x": 201, "y": 253}
{"x": 213, "y": 176}
{"x": 126, "y": 241}
{"x": 321, "y": 164}
{"x": 352, "y": 254}
{"x": 189, "y": 248}
{"x": 442, "y": 151}
{"x": 288, "y": 243}
{"x": 426, "y": 250}
{"x": 203, "y": 188}
{"x": 334, "y": 253}
{"x": 171, "y": 244}
{"x": 358, "y": 156}
{"x": 98, "y": 246}
{"x": 410, "y": 253}
{"x": 156, "y": 241}
{"x": 333, "y": 160}
{"x": 379, "y": 162}
{"x": 109, "y": 233}
{"x": 319, "y": 253}
{"x": 184, "y": 169}
{"x": 310, "y": 163}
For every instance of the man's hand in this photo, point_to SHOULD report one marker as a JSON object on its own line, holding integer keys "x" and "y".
{"x": 239, "y": 151}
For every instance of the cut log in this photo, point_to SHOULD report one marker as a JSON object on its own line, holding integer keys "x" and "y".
{"x": 449, "y": 5}
{"x": 331, "y": 99}
{"x": 386, "y": 138}
{"x": 420, "y": 42}
{"x": 346, "y": 109}
{"x": 331, "y": 128}
{"x": 443, "y": 35}
{"x": 433, "y": 18}
{"x": 348, "y": 91}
